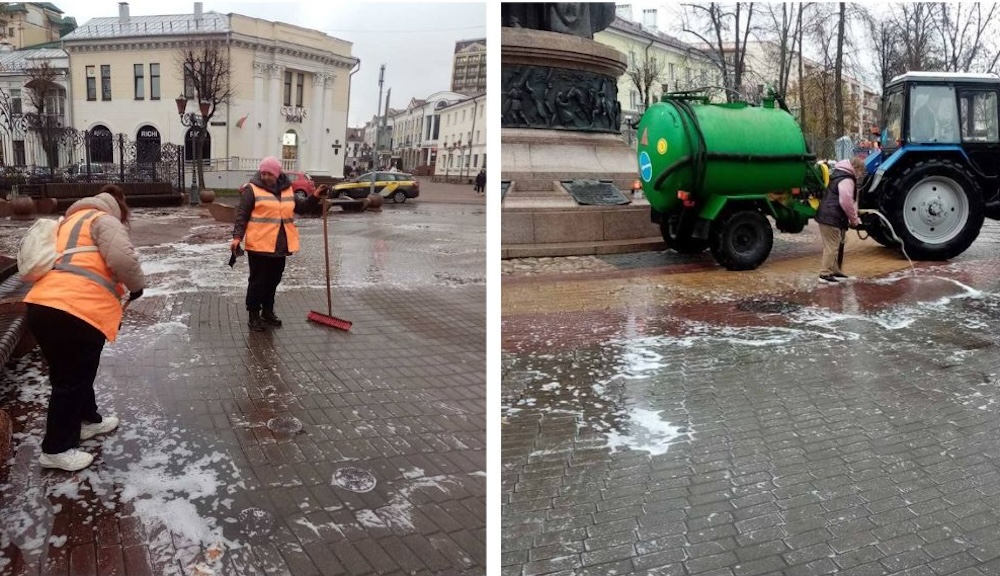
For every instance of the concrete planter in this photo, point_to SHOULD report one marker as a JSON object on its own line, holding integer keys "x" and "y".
{"x": 47, "y": 205}
{"x": 22, "y": 208}
{"x": 373, "y": 202}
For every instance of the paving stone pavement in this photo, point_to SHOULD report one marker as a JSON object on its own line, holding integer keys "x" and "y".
{"x": 209, "y": 474}
{"x": 664, "y": 418}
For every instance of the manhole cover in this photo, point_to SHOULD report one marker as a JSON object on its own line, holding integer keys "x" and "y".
{"x": 256, "y": 523}
{"x": 285, "y": 425}
{"x": 768, "y": 306}
{"x": 354, "y": 479}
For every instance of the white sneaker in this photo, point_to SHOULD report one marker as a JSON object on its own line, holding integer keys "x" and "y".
{"x": 107, "y": 424}
{"x": 70, "y": 460}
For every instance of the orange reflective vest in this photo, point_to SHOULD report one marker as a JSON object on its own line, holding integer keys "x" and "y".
{"x": 269, "y": 214}
{"x": 81, "y": 283}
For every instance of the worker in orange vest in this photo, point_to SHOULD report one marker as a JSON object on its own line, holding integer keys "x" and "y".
{"x": 265, "y": 220}
{"x": 72, "y": 310}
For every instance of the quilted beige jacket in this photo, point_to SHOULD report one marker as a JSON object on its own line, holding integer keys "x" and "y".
{"x": 112, "y": 240}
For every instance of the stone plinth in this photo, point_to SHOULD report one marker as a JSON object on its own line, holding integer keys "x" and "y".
{"x": 551, "y": 133}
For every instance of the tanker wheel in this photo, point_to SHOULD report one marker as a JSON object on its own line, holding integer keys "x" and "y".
{"x": 936, "y": 209}
{"x": 681, "y": 243}
{"x": 742, "y": 240}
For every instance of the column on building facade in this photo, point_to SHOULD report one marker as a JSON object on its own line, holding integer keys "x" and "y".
{"x": 259, "y": 70}
{"x": 317, "y": 142}
{"x": 272, "y": 145}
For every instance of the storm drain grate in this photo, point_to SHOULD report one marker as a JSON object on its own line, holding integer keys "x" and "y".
{"x": 354, "y": 479}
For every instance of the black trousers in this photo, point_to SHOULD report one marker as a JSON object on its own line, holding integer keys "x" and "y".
{"x": 72, "y": 349}
{"x": 265, "y": 275}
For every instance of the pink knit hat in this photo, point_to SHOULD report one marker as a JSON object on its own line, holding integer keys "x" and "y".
{"x": 271, "y": 165}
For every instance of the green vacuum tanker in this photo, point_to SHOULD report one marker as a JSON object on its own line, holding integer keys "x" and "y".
{"x": 713, "y": 173}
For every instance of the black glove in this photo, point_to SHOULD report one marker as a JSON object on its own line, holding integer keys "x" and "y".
{"x": 135, "y": 295}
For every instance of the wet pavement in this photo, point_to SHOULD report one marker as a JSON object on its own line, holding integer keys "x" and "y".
{"x": 664, "y": 416}
{"x": 301, "y": 450}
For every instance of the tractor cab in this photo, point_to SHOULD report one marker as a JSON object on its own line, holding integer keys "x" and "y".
{"x": 937, "y": 174}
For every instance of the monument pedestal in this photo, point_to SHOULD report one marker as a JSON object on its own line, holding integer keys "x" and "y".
{"x": 560, "y": 124}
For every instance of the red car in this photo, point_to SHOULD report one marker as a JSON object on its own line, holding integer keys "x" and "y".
{"x": 302, "y": 184}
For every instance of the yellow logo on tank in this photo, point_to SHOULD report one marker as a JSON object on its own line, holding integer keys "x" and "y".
{"x": 661, "y": 146}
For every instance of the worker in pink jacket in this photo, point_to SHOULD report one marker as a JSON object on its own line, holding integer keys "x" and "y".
{"x": 838, "y": 211}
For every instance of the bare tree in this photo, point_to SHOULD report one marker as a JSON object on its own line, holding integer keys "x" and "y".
{"x": 915, "y": 24}
{"x": 838, "y": 69}
{"x": 786, "y": 32}
{"x": 43, "y": 96}
{"x": 964, "y": 30}
{"x": 711, "y": 23}
{"x": 207, "y": 71}
{"x": 885, "y": 38}
{"x": 802, "y": 92}
{"x": 644, "y": 72}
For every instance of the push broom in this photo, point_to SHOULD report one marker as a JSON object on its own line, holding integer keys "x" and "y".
{"x": 328, "y": 319}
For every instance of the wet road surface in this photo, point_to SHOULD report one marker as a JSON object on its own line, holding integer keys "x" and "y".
{"x": 663, "y": 416}
{"x": 301, "y": 450}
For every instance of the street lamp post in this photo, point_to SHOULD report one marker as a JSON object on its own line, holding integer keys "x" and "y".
{"x": 193, "y": 120}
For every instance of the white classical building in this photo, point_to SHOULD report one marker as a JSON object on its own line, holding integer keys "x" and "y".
{"x": 416, "y": 131}
{"x": 18, "y": 145}
{"x": 290, "y": 85}
{"x": 463, "y": 140}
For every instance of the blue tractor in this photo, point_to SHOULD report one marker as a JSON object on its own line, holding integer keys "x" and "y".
{"x": 937, "y": 175}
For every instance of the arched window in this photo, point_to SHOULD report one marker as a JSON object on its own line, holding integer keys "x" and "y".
{"x": 206, "y": 149}
{"x": 147, "y": 145}
{"x": 101, "y": 144}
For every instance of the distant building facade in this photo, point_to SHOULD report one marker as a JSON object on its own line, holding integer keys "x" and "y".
{"x": 463, "y": 140}
{"x": 468, "y": 75}
{"x": 24, "y": 24}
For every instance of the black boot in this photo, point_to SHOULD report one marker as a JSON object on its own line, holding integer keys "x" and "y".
{"x": 255, "y": 322}
{"x": 269, "y": 318}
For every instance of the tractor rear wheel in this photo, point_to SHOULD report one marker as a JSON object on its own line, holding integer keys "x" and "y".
{"x": 936, "y": 208}
{"x": 742, "y": 240}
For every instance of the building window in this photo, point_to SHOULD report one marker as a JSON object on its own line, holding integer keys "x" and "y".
{"x": 91, "y": 83}
{"x": 288, "y": 88}
{"x": 300, "y": 82}
{"x": 475, "y": 161}
{"x": 154, "y": 81}
{"x": 15, "y": 101}
{"x": 478, "y": 139}
{"x": 139, "y": 81}
{"x": 105, "y": 82}
{"x": 19, "y": 158}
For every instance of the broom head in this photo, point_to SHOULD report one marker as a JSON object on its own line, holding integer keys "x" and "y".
{"x": 331, "y": 321}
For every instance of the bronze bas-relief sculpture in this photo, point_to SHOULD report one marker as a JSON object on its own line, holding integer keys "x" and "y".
{"x": 575, "y": 18}
{"x": 555, "y": 98}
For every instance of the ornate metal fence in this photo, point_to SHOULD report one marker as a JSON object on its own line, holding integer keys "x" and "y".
{"x": 88, "y": 156}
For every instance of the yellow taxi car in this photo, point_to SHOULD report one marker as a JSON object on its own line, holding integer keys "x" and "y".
{"x": 395, "y": 186}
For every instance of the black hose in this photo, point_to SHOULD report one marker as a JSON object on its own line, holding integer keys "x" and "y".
{"x": 669, "y": 170}
{"x": 699, "y": 148}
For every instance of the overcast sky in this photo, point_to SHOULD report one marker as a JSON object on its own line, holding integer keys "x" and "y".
{"x": 416, "y": 41}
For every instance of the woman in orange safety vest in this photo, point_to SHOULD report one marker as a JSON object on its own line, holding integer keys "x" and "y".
{"x": 73, "y": 310}
{"x": 265, "y": 220}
